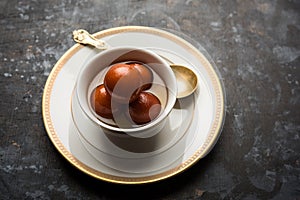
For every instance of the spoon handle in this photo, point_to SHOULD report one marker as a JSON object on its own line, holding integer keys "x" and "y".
{"x": 83, "y": 37}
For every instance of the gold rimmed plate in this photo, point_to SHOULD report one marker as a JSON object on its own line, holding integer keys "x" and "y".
{"x": 193, "y": 127}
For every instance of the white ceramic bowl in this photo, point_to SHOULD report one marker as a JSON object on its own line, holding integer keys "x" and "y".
{"x": 92, "y": 74}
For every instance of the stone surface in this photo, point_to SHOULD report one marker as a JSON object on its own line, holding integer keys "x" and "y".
{"x": 255, "y": 45}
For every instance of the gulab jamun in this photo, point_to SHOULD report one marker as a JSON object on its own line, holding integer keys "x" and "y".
{"x": 123, "y": 82}
{"x": 146, "y": 73}
{"x": 145, "y": 109}
{"x": 101, "y": 102}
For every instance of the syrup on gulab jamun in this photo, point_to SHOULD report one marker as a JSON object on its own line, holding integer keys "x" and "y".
{"x": 145, "y": 108}
{"x": 146, "y": 74}
{"x": 123, "y": 82}
{"x": 101, "y": 102}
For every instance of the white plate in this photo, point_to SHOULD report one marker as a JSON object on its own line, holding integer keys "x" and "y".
{"x": 193, "y": 127}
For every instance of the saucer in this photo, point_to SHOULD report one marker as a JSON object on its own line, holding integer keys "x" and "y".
{"x": 193, "y": 127}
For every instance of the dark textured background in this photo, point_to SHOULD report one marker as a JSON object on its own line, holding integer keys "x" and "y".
{"x": 256, "y": 47}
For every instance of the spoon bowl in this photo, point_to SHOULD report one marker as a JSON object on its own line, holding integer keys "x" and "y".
{"x": 186, "y": 80}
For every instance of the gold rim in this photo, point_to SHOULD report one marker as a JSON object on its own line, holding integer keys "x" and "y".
{"x": 200, "y": 153}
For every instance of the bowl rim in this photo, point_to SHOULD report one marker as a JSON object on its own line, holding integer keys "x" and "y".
{"x": 172, "y": 92}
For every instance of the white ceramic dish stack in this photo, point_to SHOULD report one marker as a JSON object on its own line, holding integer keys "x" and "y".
{"x": 191, "y": 130}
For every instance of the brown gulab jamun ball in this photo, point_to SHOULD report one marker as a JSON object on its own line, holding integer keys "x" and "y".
{"x": 123, "y": 82}
{"x": 146, "y": 73}
{"x": 101, "y": 102}
{"x": 145, "y": 109}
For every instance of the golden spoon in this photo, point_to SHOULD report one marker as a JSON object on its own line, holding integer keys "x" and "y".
{"x": 186, "y": 79}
